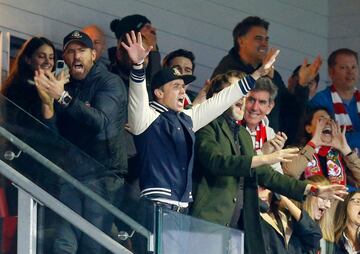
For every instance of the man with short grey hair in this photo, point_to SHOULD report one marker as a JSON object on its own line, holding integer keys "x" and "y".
{"x": 259, "y": 103}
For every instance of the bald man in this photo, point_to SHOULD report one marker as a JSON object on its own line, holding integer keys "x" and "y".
{"x": 98, "y": 38}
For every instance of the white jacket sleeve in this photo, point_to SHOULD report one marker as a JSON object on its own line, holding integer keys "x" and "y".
{"x": 205, "y": 112}
{"x": 140, "y": 114}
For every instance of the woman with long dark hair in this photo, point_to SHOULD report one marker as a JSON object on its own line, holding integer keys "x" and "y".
{"x": 347, "y": 225}
{"x": 37, "y": 53}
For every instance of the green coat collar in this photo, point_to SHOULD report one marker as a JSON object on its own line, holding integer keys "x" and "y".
{"x": 244, "y": 137}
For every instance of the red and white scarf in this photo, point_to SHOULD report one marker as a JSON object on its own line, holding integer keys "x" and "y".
{"x": 341, "y": 115}
{"x": 260, "y": 137}
{"x": 187, "y": 101}
{"x": 335, "y": 168}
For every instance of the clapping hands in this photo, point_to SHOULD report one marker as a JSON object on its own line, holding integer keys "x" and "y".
{"x": 275, "y": 144}
{"x": 49, "y": 86}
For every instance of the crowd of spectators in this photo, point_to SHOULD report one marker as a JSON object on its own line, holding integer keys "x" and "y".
{"x": 247, "y": 152}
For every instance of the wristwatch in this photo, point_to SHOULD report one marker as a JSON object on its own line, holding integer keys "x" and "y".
{"x": 65, "y": 99}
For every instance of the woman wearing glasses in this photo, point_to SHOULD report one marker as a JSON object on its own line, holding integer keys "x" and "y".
{"x": 347, "y": 225}
{"x": 322, "y": 212}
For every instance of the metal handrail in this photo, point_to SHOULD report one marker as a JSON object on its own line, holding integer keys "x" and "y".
{"x": 61, "y": 209}
{"x": 78, "y": 185}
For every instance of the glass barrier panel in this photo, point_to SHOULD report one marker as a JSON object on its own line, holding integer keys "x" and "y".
{"x": 97, "y": 193}
{"x": 37, "y": 151}
{"x": 185, "y": 234}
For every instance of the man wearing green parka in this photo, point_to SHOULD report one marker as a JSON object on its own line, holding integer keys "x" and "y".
{"x": 227, "y": 174}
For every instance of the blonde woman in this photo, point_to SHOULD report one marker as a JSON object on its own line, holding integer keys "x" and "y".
{"x": 322, "y": 211}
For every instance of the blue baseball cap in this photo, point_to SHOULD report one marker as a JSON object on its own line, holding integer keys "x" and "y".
{"x": 78, "y": 36}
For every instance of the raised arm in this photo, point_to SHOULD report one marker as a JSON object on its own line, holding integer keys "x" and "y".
{"x": 139, "y": 113}
{"x": 303, "y": 226}
{"x": 207, "y": 111}
{"x": 296, "y": 189}
{"x": 296, "y": 167}
{"x": 340, "y": 143}
{"x": 308, "y": 71}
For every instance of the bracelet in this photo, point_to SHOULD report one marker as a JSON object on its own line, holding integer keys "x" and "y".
{"x": 314, "y": 190}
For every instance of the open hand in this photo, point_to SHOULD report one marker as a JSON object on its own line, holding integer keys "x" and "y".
{"x": 268, "y": 64}
{"x": 316, "y": 139}
{"x": 338, "y": 138}
{"x": 308, "y": 72}
{"x": 283, "y": 155}
{"x": 270, "y": 59}
{"x": 134, "y": 47}
{"x": 333, "y": 191}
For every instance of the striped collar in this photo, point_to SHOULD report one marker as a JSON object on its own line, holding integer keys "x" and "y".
{"x": 158, "y": 107}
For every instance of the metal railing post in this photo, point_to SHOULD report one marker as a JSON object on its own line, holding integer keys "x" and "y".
{"x": 4, "y": 51}
{"x": 27, "y": 214}
{"x": 27, "y": 223}
{"x": 158, "y": 228}
{"x": 75, "y": 183}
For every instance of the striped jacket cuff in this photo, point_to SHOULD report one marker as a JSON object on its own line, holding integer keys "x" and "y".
{"x": 246, "y": 84}
{"x": 155, "y": 191}
{"x": 137, "y": 75}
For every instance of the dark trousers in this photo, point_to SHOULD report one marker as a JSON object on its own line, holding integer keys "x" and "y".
{"x": 69, "y": 239}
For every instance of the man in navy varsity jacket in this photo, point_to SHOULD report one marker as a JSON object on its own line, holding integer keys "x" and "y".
{"x": 164, "y": 131}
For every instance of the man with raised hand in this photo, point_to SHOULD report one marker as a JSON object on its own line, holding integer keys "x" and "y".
{"x": 164, "y": 131}
{"x": 251, "y": 44}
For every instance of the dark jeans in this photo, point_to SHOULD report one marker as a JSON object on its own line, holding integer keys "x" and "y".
{"x": 69, "y": 239}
